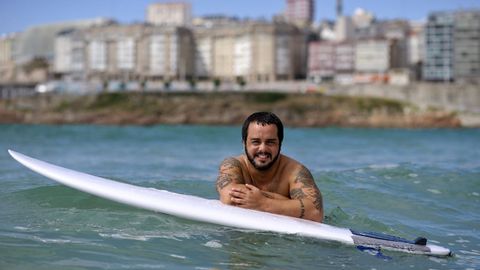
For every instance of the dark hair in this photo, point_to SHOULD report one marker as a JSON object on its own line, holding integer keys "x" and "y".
{"x": 263, "y": 118}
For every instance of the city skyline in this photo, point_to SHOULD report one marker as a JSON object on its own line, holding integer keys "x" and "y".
{"x": 17, "y": 16}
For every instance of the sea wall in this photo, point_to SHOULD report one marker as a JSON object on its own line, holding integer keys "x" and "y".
{"x": 449, "y": 97}
{"x": 221, "y": 108}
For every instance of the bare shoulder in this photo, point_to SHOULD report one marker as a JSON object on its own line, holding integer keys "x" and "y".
{"x": 296, "y": 169}
{"x": 231, "y": 163}
{"x": 303, "y": 175}
{"x": 230, "y": 172}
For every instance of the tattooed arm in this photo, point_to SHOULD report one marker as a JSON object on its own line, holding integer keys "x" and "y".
{"x": 304, "y": 200}
{"x": 229, "y": 176}
{"x": 308, "y": 195}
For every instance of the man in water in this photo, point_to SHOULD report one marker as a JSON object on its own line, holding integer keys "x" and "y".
{"x": 265, "y": 180}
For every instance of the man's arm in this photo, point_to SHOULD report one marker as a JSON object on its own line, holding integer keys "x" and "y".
{"x": 305, "y": 198}
{"x": 308, "y": 195}
{"x": 229, "y": 176}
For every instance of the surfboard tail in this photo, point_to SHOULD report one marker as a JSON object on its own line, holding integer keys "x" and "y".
{"x": 390, "y": 242}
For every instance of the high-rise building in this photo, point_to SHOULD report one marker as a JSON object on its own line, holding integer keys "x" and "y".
{"x": 439, "y": 42}
{"x": 452, "y": 42}
{"x": 466, "y": 36}
{"x": 173, "y": 14}
{"x": 300, "y": 12}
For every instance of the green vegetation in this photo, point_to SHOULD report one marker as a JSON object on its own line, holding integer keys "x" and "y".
{"x": 272, "y": 97}
{"x": 106, "y": 100}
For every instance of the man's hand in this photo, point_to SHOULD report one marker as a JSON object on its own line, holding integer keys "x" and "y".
{"x": 248, "y": 196}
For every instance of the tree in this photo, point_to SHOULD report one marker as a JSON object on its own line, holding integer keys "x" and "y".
{"x": 35, "y": 63}
{"x": 241, "y": 82}
{"x": 216, "y": 83}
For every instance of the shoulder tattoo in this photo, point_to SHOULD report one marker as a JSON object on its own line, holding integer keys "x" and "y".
{"x": 308, "y": 188}
{"x": 230, "y": 163}
{"x": 224, "y": 177}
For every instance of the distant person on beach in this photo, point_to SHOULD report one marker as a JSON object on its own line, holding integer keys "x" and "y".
{"x": 265, "y": 180}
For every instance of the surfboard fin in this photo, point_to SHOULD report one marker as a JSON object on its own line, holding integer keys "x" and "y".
{"x": 420, "y": 241}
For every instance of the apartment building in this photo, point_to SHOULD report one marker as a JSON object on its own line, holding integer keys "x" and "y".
{"x": 254, "y": 51}
{"x": 204, "y": 48}
{"x": 300, "y": 12}
{"x": 344, "y": 29}
{"x": 452, "y": 42}
{"x": 172, "y": 13}
{"x": 322, "y": 60}
{"x": 345, "y": 58}
{"x": 125, "y": 52}
{"x": 372, "y": 60}
{"x": 416, "y": 48}
{"x": 7, "y": 65}
{"x": 466, "y": 36}
{"x": 69, "y": 52}
{"x": 439, "y": 42}
{"x": 331, "y": 60}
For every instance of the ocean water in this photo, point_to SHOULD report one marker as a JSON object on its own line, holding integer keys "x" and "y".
{"x": 404, "y": 182}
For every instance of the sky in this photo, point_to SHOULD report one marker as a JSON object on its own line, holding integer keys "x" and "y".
{"x": 18, "y": 15}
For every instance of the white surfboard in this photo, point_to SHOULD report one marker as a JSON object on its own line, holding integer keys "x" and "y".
{"x": 213, "y": 211}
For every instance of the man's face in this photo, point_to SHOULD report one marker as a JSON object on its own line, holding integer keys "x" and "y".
{"x": 262, "y": 146}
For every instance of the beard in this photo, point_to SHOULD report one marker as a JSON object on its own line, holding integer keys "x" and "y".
{"x": 262, "y": 167}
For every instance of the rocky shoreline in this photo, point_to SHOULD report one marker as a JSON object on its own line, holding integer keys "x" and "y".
{"x": 221, "y": 108}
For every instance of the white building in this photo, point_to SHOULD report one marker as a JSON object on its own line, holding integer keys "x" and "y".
{"x": 69, "y": 53}
{"x": 251, "y": 51}
{"x": 362, "y": 18}
{"x": 344, "y": 29}
{"x": 372, "y": 56}
{"x": 203, "y": 60}
{"x": 243, "y": 55}
{"x": 126, "y": 52}
{"x": 416, "y": 43}
{"x": 173, "y": 14}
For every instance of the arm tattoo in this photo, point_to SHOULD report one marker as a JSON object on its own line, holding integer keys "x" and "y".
{"x": 224, "y": 178}
{"x": 318, "y": 201}
{"x": 297, "y": 193}
{"x": 305, "y": 178}
{"x": 302, "y": 208}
